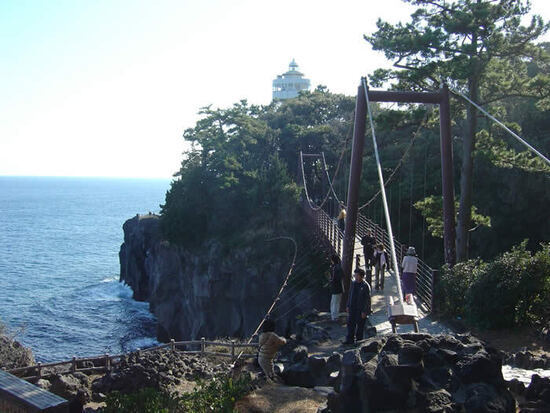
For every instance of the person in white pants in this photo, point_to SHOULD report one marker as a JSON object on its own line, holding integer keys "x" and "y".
{"x": 336, "y": 288}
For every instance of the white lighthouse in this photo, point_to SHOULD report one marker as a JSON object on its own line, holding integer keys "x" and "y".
{"x": 287, "y": 85}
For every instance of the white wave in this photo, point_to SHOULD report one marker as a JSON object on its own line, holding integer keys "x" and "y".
{"x": 522, "y": 375}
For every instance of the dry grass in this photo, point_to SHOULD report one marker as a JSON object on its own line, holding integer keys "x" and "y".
{"x": 278, "y": 398}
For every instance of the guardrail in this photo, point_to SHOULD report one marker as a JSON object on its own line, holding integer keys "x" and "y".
{"x": 105, "y": 362}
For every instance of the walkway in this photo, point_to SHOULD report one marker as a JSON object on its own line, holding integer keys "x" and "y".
{"x": 378, "y": 319}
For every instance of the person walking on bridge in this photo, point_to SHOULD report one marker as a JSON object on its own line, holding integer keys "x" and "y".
{"x": 408, "y": 279}
{"x": 381, "y": 261}
{"x": 368, "y": 242}
{"x": 358, "y": 307}
{"x": 336, "y": 288}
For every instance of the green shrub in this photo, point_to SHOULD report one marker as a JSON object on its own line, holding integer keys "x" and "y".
{"x": 450, "y": 293}
{"x": 147, "y": 400}
{"x": 512, "y": 290}
{"x": 533, "y": 304}
{"x": 491, "y": 301}
{"x": 216, "y": 395}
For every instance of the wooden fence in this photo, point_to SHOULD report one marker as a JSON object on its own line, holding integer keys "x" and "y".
{"x": 106, "y": 362}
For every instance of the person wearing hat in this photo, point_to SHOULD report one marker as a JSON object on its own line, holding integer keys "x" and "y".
{"x": 358, "y": 307}
{"x": 269, "y": 343}
{"x": 408, "y": 278}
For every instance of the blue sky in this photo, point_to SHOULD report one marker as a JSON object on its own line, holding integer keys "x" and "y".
{"x": 106, "y": 88}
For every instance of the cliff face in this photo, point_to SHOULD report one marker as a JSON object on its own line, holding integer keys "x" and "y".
{"x": 205, "y": 294}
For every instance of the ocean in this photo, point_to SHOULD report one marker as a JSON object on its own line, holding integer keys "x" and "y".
{"x": 59, "y": 267}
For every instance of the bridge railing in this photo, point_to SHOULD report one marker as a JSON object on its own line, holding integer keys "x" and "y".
{"x": 424, "y": 274}
{"x": 328, "y": 227}
{"x": 105, "y": 362}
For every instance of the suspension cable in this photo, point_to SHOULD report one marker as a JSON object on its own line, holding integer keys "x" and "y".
{"x": 401, "y": 161}
{"x": 283, "y": 285}
{"x": 383, "y": 192}
{"x": 502, "y": 125}
{"x": 331, "y": 189}
{"x": 334, "y": 176}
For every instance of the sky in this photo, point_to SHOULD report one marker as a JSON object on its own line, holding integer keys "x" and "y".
{"x": 107, "y": 87}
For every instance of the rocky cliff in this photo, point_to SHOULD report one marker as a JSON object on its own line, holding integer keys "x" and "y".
{"x": 208, "y": 292}
{"x": 12, "y": 354}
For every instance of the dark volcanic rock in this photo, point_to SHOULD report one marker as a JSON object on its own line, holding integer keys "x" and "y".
{"x": 299, "y": 375}
{"x": 529, "y": 361}
{"x": 156, "y": 369}
{"x": 538, "y": 389}
{"x": 208, "y": 292}
{"x": 422, "y": 373}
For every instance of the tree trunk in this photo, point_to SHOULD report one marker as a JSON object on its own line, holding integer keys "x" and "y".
{"x": 466, "y": 176}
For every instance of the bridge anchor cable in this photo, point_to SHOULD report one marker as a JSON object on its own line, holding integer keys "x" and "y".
{"x": 383, "y": 193}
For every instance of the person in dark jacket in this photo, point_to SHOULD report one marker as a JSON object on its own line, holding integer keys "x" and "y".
{"x": 358, "y": 307}
{"x": 368, "y": 242}
{"x": 335, "y": 285}
{"x": 381, "y": 262}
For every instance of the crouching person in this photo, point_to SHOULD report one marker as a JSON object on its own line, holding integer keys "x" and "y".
{"x": 358, "y": 307}
{"x": 269, "y": 343}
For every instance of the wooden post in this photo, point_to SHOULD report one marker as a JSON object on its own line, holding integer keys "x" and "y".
{"x": 356, "y": 165}
{"x": 73, "y": 364}
{"x": 107, "y": 362}
{"x": 39, "y": 370}
{"x": 232, "y": 350}
{"x": 447, "y": 184}
{"x": 172, "y": 344}
{"x": 203, "y": 346}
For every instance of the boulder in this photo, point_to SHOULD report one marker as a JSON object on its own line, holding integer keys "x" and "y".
{"x": 44, "y": 384}
{"x": 538, "y": 389}
{"x": 516, "y": 387}
{"x": 334, "y": 362}
{"x": 316, "y": 365}
{"x": 419, "y": 372}
{"x": 299, "y": 375}
{"x": 298, "y": 354}
{"x": 479, "y": 367}
{"x": 435, "y": 401}
{"x": 66, "y": 386}
{"x": 483, "y": 397}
